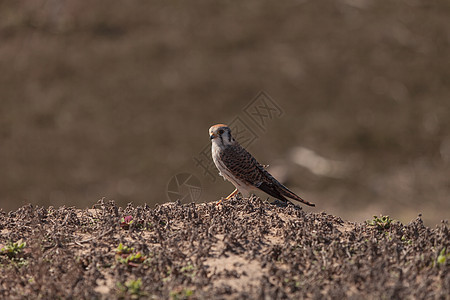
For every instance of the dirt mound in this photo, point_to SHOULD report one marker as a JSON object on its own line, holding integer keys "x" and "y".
{"x": 241, "y": 249}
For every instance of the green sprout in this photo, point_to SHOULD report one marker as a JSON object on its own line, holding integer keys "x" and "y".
{"x": 442, "y": 257}
{"x": 12, "y": 249}
{"x": 188, "y": 268}
{"x": 126, "y": 255}
{"x": 406, "y": 240}
{"x": 132, "y": 288}
{"x": 381, "y": 223}
{"x": 125, "y": 222}
{"x": 292, "y": 281}
{"x": 132, "y": 259}
{"x": 181, "y": 294}
{"x": 122, "y": 249}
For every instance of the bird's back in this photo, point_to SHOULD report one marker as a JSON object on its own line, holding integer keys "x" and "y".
{"x": 243, "y": 165}
{"x": 246, "y": 168}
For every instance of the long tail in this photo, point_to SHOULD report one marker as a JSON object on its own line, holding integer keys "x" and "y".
{"x": 288, "y": 193}
{"x": 280, "y": 192}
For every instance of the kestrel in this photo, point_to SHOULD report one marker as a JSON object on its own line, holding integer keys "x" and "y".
{"x": 239, "y": 167}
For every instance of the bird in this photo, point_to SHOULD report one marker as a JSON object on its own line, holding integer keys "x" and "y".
{"x": 238, "y": 166}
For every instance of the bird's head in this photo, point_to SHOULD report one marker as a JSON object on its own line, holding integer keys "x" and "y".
{"x": 220, "y": 135}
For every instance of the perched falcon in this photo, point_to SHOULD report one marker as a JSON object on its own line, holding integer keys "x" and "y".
{"x": 239, "y": 167}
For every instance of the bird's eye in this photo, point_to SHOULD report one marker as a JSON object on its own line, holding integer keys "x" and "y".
{"x": 220, "y": 131}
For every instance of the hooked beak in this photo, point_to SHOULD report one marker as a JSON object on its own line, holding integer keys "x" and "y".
{"x": 212, "y": 136}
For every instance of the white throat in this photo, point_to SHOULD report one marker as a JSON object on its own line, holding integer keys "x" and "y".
{"x": 222, "y": 141}
{"x": 217, "y": 145}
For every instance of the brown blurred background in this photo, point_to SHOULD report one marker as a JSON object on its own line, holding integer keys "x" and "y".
{"x": 113, "y": 98}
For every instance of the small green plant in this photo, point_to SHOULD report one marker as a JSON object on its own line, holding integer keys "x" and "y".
{"x": 442, "y": 257}
{"x": 189, "y": 270}
{"x": 184, "y": 293}
{"x": 122, "y": 249}
{"x": 292, "y": 281}
{"x": 14, "y": 252}
{"x": 125, "y": 222}
{"x": 126, "y": 255}
{"x": 12, "y": 249}
{"x": 132, "y": 259}
{"x": 132, "y": 287}
{"x": 407, "y": 241}
{"x": 381, "y": 222}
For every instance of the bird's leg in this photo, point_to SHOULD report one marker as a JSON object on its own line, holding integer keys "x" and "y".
{"x": 232, "y": 194}
{"x": 228, "y": 197}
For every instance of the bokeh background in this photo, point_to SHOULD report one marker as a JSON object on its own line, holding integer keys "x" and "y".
{"x": 114, "y": 98}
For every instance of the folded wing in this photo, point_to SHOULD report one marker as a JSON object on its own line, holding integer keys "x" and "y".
{"x": 245, "y": 167}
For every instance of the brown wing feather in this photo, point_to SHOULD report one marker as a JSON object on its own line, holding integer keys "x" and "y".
{"x": 242, "y": 164}
{"x": 290, "y": 194}
{"x": 245, "y": 167}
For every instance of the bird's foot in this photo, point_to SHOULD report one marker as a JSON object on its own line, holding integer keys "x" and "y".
{"x": 280, "y": 203}
{"x": 228, "y": 197}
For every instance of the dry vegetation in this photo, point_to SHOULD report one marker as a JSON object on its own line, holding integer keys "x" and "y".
{"x": 241, "y": 249}
{"x": 94, "y": 96}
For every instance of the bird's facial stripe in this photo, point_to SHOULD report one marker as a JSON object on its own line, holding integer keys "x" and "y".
{"x": 218, "y": 129}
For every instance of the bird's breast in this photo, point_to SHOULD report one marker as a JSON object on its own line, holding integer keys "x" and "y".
{"x": 215, "y": 153}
